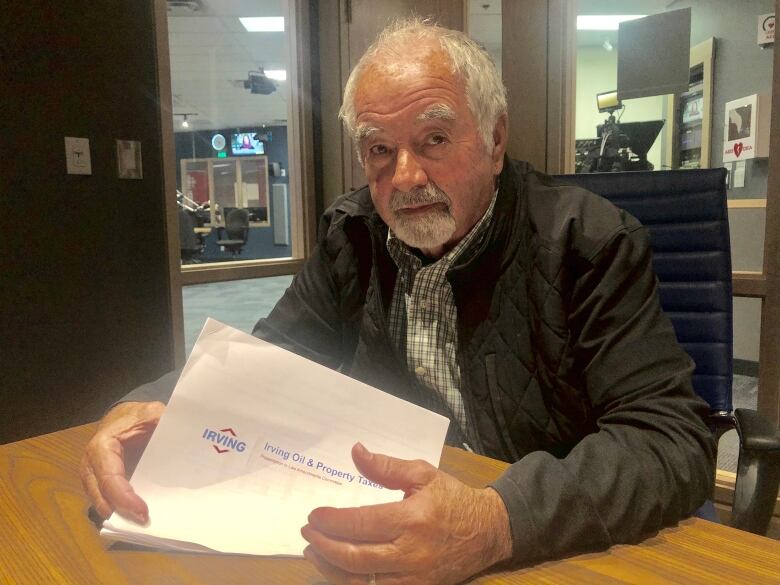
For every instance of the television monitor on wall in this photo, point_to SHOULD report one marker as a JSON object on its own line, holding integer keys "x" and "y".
{"x": 245, "y": 144}
{"x": 654, "y": 55}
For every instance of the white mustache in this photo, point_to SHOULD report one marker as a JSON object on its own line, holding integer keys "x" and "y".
{"x": 427, "y": 195}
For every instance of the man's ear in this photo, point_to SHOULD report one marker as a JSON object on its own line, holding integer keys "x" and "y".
{"x": 500, "y": 137}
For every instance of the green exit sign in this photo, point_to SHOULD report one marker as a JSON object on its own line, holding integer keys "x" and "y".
{"x": 222, "y": 155}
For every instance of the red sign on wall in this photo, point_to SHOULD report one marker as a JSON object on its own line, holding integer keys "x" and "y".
{"x": 197, "y": 186}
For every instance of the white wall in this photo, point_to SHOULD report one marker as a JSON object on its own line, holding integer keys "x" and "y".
{"x": 597, "y": 73}
{"x": 747, "y": 328}
{"x": 746, "y": 226}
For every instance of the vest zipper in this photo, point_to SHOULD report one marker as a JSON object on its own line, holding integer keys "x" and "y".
{"x": 473, "y": 434}
{"x": 377, "y": 284}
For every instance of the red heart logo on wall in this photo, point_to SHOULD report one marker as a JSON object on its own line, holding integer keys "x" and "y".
{"x": 737, "y": 149}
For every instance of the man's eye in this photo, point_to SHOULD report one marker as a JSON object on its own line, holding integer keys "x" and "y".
{"x": 378, "y": 150}
{"x": 437, "y": 139}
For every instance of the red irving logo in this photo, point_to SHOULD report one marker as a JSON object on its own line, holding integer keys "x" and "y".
{"x": 227, "y": 438}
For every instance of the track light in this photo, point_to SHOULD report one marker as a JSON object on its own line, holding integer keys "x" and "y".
{"x": 185, "y": 122}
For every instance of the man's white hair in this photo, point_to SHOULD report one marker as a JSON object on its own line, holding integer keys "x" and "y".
{"x": 485, "y": 92}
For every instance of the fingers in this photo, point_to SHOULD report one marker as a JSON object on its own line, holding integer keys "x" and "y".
{"x": 331, "y": 573}
{"x": 107, "y": 484}
{"x": 103, "y": 471}
{"x": 90, "y": 484}
{"x": 382, "y": 522}
{"x": 354, "y": 557}
{"x": 339, "y": 576}
{"x": 378, "y": 523}
{"x": 391, "y": 472}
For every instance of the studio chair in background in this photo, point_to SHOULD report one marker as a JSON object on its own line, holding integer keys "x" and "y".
{"x": 189, "y": 243}
{"x": 234, "y": 235}
{"x": 686, "y": 215}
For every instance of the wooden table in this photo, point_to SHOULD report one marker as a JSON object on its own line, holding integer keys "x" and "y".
{"x": 46, "y": 537}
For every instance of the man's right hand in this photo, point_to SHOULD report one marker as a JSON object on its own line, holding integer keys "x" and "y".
{"x": 113, "y": 453}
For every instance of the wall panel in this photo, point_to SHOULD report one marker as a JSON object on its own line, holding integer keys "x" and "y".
{"x": 85, "y": 311}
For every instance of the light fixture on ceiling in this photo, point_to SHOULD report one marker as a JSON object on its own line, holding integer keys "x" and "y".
{"x": 604, "y": 21}
{"x": 258, "y": 82}
{"x": 263, "y": 23}
{"x": 277, "y": 74}
{"x": 184, "y": 7}
{"x": 185, "y": 122}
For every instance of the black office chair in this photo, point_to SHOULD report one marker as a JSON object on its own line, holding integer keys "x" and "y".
{"x": 686, "y": 215}
{"x": 190, "y": 244}
{"x": 237, "y": 231}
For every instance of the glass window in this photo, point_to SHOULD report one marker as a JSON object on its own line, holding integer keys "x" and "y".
{"x": 685, "y": 129}
{"x": 230, "y": 67}
{"x": 484, "y": 26}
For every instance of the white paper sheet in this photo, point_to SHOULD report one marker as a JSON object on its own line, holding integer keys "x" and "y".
{"x": 254, "y": 438}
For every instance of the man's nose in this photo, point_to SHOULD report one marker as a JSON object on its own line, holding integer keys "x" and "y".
{"x": 409, "y": 174}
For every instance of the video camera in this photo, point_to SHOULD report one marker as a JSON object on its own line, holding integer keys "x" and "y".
{"x": 619, "y": 147}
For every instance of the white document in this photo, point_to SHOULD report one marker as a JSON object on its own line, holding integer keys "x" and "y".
{"x": 254, "y": 438}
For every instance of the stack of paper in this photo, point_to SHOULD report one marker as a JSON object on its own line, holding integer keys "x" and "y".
{"x": 254, "y": 438}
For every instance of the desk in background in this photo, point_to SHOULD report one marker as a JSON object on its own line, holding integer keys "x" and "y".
{"x": 46, "y": 537}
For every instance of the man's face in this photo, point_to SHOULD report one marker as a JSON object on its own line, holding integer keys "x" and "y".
{"x": 430, "y": 175}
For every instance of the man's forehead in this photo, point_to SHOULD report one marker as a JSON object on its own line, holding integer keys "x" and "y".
{"x": 410, "y": 57}
{"x": 380, "y": 91}
{"x": 411, "y": 64}
{"x": 439, "y": 112}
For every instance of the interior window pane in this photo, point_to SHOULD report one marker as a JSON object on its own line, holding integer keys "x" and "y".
{"x": 727, "y": 63}
{"x": 484, "y": 26}
{"x": 231, "y": 99}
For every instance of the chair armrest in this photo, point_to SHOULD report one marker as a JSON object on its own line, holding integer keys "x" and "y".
{"x": 720, "y": 422}
{"x": 758, "y": 472}
{"x": 756, "y": 432}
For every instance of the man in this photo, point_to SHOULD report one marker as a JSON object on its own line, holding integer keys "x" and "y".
{"x": 525, "y": 312}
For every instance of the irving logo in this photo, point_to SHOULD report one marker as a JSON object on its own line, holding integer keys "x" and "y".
{"x": 227, "y": 438}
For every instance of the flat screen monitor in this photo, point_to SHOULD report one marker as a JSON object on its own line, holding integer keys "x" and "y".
{"x": 654, "y": 55}
{"x": 245, "y": 144}
{"x": 608, "y": 101}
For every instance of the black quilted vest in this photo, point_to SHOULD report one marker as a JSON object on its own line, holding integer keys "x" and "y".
{"x": 518, "y": 385}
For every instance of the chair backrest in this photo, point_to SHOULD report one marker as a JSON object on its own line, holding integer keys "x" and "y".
{"x": 687, "y": 217}
{"x": 188, "y": 241}
{"x": 237, "y": 224}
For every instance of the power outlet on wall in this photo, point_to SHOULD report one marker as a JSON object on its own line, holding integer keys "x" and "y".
{"x": 77, "y": 157}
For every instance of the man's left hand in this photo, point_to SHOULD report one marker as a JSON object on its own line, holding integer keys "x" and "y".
{"x": 442, "y": 532}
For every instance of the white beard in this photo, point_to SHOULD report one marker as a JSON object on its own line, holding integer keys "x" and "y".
{"x": 431, "y": 229}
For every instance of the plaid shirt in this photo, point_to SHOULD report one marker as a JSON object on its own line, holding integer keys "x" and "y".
{"x": 423, "y": 318}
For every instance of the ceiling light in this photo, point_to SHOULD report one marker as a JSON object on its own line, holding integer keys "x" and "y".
{"x": 263, "y": 23}
{"x": 604, "y": 21}
{"x": 185, "y": 122}
{"x": 277, "y": 74}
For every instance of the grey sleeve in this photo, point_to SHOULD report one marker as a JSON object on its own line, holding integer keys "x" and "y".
{"x": 158, "y": 390}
